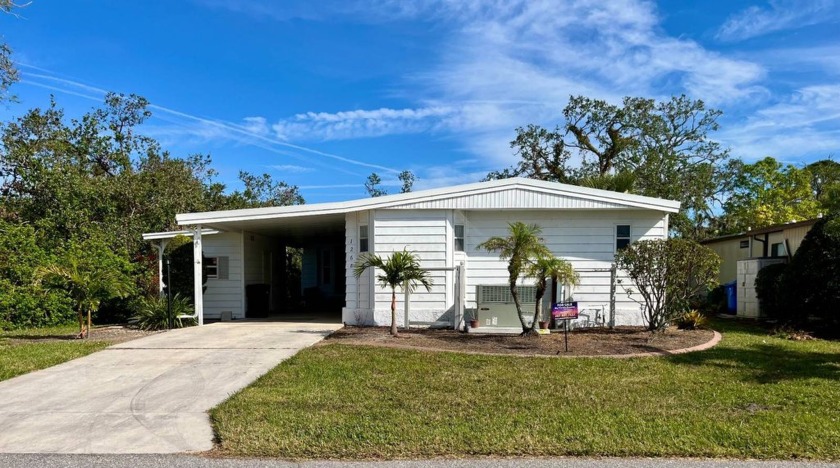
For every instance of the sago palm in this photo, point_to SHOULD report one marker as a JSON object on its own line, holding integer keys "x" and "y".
{"x": 401, "y": 269}
{"x": 522, "y": 244}
{"x": 543, "y": 268}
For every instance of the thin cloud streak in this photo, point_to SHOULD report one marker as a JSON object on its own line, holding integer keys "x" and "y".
{"x": 231, "y": 128}
{"x": 781, "y": 15}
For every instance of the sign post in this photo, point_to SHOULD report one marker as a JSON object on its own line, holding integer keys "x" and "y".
{"x": 565, "y": 311}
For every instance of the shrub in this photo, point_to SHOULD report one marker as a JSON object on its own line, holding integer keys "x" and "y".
{"x": 22, "y": 304}
{"x": 153, "y": 313}
{"x": 770, "y": 292}
{"x": 182, "y": 272}
{"x": 716, "y": 301}
{"x": 691, "y": 320}
{"x": 811, "y": 283}
{"x": 667, "y": 275}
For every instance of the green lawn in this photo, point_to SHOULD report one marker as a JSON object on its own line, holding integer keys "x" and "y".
{"x": 18, "y": 358}
{"x": 751, "y": 396}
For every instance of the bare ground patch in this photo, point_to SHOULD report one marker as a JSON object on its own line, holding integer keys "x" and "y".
{"x": 584, "y": 342}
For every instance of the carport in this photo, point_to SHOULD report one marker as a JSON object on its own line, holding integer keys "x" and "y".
{"x": 248, "y": 251}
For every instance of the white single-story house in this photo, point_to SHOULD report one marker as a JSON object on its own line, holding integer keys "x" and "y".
{"x": 442, "y": 226}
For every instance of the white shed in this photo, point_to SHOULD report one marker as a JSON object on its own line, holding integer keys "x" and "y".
{"x": 443, "y": 226}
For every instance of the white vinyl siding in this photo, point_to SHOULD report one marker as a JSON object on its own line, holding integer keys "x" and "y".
{"x": 358, "y": 308}
{"x": 224, "y": 294}
{"x": 423, "y": 232}
{"x": 585, "y": 238}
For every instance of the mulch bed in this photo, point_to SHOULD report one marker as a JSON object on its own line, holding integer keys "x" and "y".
{"x": 582, "y": 342}
{"x": 113, "y": 334}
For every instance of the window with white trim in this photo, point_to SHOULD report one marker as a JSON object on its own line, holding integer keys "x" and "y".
{"x": 622, "y": 236}
{"x": 459, "y": 237}
{"x": 211, "y": 267}
{"x": 363, "y": 238}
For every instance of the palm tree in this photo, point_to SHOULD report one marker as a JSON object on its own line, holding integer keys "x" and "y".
{"x": 401, "y": 269}
{"x": 521, "y": 245}
{"x": 87, "y": 285}
{"x": 545, "y": 267}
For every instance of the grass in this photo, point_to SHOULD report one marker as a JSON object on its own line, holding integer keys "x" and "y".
{"x": 753, "y": 396}
{"x": 40, "y": 350}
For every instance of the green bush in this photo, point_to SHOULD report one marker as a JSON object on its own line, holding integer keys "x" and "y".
{"x": 811, "y": 283}
{"x": 153, "y": 313}
{"x": 181, "y": 269}
{"x": 770, "y": 291}
{"x": 667, "y": 275}
{"x": 691, "y": 320}
{"x": 22, "y": 304}
{"x": 716, "y": 301}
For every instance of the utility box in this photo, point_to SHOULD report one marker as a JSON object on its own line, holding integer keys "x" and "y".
{"x": 497, "y": 309}
{"x": 747, "y": 272}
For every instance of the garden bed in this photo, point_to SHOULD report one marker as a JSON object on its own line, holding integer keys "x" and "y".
{"x": 583, "y": 342}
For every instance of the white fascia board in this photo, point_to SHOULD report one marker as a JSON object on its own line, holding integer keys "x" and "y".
{"x": 171, "y": 234}
{"x": 391, "y": 201}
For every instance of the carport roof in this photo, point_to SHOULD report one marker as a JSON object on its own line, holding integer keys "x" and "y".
{"x": 604, "y": 198}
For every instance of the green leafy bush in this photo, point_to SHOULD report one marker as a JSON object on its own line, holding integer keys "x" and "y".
{"x": 691, "y": 320}
{"x": 666, "y": 276}
{"x": 811, "y": 283}
{"x": 153, "y": 313}
{"x": 22, "y": 304}
{"x": 716, "y": 301}
{"x": 770, "y": 292}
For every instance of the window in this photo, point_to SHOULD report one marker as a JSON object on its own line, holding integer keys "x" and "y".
{"x": 745, "y": 244}
{"x": 211, "y": 267}
{"x": 622, "y": 236}
{"x": 778, "y": 250}
{"x": 459, "y": 237}
{"x": 363, "y": 238}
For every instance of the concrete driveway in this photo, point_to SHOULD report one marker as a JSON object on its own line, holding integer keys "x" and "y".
{"x": 148, "y": 395}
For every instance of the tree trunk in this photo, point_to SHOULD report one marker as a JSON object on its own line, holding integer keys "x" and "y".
{"x": 538, "y": 306}
{"x": 394, "y": 312}
{"x": 516, "y": 302}
{"x": 87, "y": 335}
{"x": 81, "y": 316}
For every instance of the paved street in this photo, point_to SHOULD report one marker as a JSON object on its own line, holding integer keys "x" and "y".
{"x": 187, "y": 461}
{"x": 148, "y": 395}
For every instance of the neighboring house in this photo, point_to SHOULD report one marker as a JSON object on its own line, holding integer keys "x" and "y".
{"x": 442, "y": 226}
{"x": 777, "y": 241}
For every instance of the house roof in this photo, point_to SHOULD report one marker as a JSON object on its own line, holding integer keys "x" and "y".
{"x": 172, "y": 234}
{"x": 520, "y": 193}
{"x": 764, "y": 230}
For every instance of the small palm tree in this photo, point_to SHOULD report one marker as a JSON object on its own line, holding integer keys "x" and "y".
{"x": 522, "y": 244}
{"x": 402, "y": 269}
{"x": 545, "y": 267}
{"x": 87, "y": 285}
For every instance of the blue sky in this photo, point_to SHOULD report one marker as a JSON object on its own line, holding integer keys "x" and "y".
{"x": 320, "y": 94}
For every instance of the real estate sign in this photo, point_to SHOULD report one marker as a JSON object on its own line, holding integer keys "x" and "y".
{"x": 564, "y": 311}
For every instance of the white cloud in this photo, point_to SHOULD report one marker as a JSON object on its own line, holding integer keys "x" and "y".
{"x": 359, "y": 123}
{"x": 291, "y": 168}
{"x": 256, "y": 125}
{"x": 807, "y": 121}
{"x": 508, "y": 63}
{"x": 779, "y": 15}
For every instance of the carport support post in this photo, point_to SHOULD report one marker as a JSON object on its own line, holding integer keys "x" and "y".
{"x": 161, "y": 247}
{"x": 198, "y": 270}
